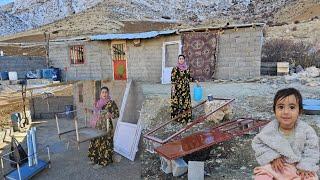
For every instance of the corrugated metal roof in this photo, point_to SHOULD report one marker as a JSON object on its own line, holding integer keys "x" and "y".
{"x": 142, "y": 35}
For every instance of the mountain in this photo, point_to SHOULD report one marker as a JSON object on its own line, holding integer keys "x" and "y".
{"x": 77, "y": 17}
{"x": 22, "y": 15}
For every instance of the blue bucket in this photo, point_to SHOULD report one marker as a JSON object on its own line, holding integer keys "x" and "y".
{"x": 197, "y": 93}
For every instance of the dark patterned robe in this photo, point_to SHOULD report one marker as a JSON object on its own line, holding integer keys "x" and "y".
{"x": 101, "y": 148}
{"x": 180, "y": 98}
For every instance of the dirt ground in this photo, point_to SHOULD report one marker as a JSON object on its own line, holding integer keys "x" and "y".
{"x": 229, "y": 160}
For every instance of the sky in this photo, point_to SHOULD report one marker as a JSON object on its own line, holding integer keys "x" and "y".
{"x": 2, "y": 2}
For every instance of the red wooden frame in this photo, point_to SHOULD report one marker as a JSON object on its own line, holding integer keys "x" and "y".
{"x": 201, "y": 140}
{"x": 200, "y": 119}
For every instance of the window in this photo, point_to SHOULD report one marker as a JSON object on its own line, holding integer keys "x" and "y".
{"x": 80, "y": 92}
{"x": 118, "y": 52}
{"x": 77, "y": 54}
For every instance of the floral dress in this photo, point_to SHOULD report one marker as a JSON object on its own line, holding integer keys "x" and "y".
{"x": 101, "y": 148}
{"x": 180, "y": 94}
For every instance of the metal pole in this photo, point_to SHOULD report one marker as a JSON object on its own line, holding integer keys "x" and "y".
{"x": 2, "y": 166}
{"x": 18, "y": 168}
{"x": 47, "y": 38}
{"x": 77, "y": 131}
{"x": 48, "y": 150}
{"x": 85, "y": 117}
{"x": 57, "y": 122}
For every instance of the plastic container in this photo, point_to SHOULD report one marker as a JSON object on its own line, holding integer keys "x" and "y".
{"x": 68, "y": 109}
{"x": 51, "y": 73}
{"x": 15, "y": 120}
{"x": 311, "y": 109}
{"x": 56, "y": 74}
{"x": 13, "y": 76}
{"x": 210, "y": 97}
{"x": 39, "y": 73}
{"x": 197, "y": 93}
{"x": 47, "y": 73}
{"x": 4, "y": 75}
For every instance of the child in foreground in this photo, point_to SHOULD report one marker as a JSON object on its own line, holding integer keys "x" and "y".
{"x": 287, "y": 148}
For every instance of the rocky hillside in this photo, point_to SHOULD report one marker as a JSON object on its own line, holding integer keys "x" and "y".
{"x": 22, "y": 15}
{"x": 27, "y": 14}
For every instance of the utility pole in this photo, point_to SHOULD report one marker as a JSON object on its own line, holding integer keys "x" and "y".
{"x": 47, "y": 39}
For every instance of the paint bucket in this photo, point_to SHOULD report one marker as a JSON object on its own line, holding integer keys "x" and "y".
{"x": 13, "y": 76}
{"x": 197, "y": 93}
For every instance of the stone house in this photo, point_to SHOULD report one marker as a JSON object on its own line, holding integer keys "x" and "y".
{"x": 229, "y": 52}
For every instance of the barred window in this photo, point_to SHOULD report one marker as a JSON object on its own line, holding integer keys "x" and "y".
{"x": 118, "y": 52}
{"x": 77, "y": 54}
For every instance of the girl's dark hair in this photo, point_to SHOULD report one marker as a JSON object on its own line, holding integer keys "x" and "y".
{"x": 283, "y": 93}
{"x": 181, "y": 56}
{"x": 105, "y": 87}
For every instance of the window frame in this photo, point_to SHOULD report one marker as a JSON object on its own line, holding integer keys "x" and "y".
{"x": 76, "y": 61}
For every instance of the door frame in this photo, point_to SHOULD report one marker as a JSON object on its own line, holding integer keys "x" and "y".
{"x": 164, "y": 56}
{"x": 126, "y": 55}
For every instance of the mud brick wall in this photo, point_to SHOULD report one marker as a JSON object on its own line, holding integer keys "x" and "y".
{"x": 239, "y": 54}
{"x": 39, "y": 106}
{"x": 21, "y": 64}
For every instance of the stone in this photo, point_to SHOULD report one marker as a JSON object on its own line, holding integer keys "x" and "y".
{"x": 166, "y": 165}
{"x": 196, "y": 170}
{"x": 243, "y": 168}
{"x": 179, "y": 167}
{"x": 219, "y": 115}
{"x": 299, "y": 68}
{"x": 117, "y": 158}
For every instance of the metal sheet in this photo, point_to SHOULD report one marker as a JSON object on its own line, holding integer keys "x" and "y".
{"x": 142, "y": 35}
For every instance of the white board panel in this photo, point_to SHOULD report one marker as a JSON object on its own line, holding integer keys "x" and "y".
{"x": 126, "y": 139}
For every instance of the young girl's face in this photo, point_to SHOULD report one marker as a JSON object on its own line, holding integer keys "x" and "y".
{"x": 104, "y": 94}
{"x": 287, "y": 111}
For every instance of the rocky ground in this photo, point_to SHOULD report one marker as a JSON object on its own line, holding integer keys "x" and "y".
{"x": 229, "y": 160}
{"x": 233, "y": 159}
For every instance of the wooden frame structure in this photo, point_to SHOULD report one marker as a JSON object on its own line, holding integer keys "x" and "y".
{"x": 201, "y": 140}
{"x": 149, "y": 135}
{"x": 82, "y": 134}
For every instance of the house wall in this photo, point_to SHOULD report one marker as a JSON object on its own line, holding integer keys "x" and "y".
{"x": 97, "y": 63}
{"x": 239, "y": 54}
{"x": 145, "y": 61}
{"x": 238, "y": 57}
{"x": 116, "y": 89}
